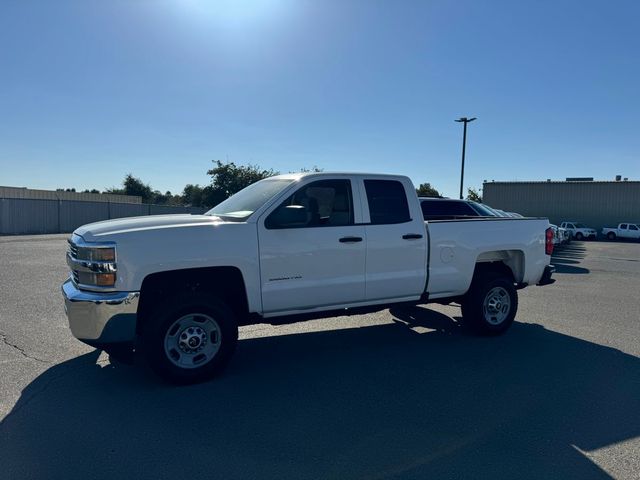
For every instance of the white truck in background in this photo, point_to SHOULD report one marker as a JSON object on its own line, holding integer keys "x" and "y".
{"x": 624, "y": 230}
{"x": 303, "y": 245}
{"x": 579, "y": 231}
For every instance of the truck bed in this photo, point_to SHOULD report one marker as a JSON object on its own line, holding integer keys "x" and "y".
{"x": 456, "y": 245}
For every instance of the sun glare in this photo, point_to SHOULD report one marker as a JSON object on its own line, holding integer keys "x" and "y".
{"x": 232, "y": 15}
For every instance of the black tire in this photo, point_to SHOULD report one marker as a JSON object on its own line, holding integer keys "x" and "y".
{"x": 611, "y": 236}
{"x": 189, "y": 307}
{"x": 579, "y": 236}
{"x": 473, "y": 304}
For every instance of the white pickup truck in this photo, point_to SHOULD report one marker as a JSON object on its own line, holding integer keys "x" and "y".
{"x": 310, "y": 245}
{"x": 624, "y": 230}
{"x": 579, "y": 231}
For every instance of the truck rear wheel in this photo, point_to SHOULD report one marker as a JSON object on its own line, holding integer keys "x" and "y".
{"x": 611, "y": 236}
{"x": 491, "y": 303}
{"x": 189, "y": 338}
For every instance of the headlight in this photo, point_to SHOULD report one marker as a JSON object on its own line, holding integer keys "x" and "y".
{"x": 92, "y": 265}
{"x": 95, "y": 254}
{"x": 97, "y": 279}
{"x": 102, "y": 254}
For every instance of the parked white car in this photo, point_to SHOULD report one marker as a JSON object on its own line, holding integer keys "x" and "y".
{"x": 579, "y": 231}
{"x": 560, "y": 235}
{"x": 557, "y": 236}
{"x": 316, "y": 244}
{"x": 624, "y": 230}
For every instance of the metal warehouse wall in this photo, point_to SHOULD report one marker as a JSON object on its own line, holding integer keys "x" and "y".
{"x": 596, "y": 204}
{"x": 17, "y": 192}
{"x": 22, "y": 216}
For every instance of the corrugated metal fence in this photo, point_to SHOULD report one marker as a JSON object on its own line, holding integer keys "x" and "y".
{"x": 21, "y": 192}
{"x": 22, "y": 216}
{"x": 596, "y": 204}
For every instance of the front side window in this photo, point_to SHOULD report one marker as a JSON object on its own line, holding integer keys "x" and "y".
{"x": 387, "y": 202}
{"x": 325, "y": 203}
{"x": 632, "y": 227}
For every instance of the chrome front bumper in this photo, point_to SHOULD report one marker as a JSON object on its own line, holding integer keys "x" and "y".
{"x": 100, "y": 318}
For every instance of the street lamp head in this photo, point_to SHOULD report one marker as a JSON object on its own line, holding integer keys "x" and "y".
{"x": 471, "y": 119}
{"x": 465, "y": 119}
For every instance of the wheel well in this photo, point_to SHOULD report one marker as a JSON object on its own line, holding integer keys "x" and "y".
{"x": 509, "y": 262}
{"x": 226, "y": 282}
{"x": 498, "y": 266}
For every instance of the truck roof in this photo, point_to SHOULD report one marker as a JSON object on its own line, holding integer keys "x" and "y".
{"x": 299, "y": 175}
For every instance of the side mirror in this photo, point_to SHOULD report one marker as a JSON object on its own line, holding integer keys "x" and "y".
{"x": 290, "y": 216}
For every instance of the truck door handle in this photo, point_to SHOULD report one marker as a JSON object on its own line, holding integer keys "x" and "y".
{"x": 411, "y": 236}
{"x": 350, "y": 239}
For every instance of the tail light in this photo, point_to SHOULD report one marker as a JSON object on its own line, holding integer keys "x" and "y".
{"x": 548, "y": 241}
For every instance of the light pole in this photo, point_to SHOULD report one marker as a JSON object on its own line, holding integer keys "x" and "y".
{"x": 464, "y": 120}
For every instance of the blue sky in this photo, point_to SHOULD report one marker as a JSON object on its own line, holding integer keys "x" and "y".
{"x": 92, "y": 90}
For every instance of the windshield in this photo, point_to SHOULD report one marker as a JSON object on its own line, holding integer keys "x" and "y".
{"x": 580, "y": 225}
{"x": 240, "y": 206}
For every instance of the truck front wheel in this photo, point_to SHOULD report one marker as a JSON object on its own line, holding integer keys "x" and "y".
{"x": 189, "y": 338}
{"x": 579, "y": 236}
{"x": 491, "y": 303}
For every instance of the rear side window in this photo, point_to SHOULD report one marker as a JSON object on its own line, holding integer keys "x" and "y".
{"x": 445, "y": 209}
{"x": 387, "y": 202}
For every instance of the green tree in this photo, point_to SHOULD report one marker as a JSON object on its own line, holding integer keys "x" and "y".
{"x": 426, "y": 190}
{"x": 229, "y": 178}
{"x": 474, "y": 195}
{"x": 134, "y": 186}
{"x": 314, "y": 169}
{"x": 160, "y": 198}
{"x": 193, "y": 195}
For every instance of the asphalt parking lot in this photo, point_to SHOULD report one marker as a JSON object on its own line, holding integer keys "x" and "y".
{"x": 395, "y": 394}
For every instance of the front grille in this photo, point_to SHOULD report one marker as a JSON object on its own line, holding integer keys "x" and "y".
{"x": 73, "y": 253}
{"x": 73, "y": 249}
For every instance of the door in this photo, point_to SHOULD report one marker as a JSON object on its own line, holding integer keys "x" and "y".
{"x": 396, "y": 265}
{"x": 312, "y": 253}
{"x": 634, "y": 231}
{"x": 622, "y": 230}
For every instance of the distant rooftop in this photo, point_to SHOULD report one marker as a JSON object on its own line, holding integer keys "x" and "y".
{"x": 588, "y": 180}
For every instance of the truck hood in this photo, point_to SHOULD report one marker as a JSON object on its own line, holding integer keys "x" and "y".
{"x": 99, "y": 230}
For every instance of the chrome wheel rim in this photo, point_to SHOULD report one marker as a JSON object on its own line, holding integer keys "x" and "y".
{"x": 192, "y": 341}
{"x": 496, "y": 306}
